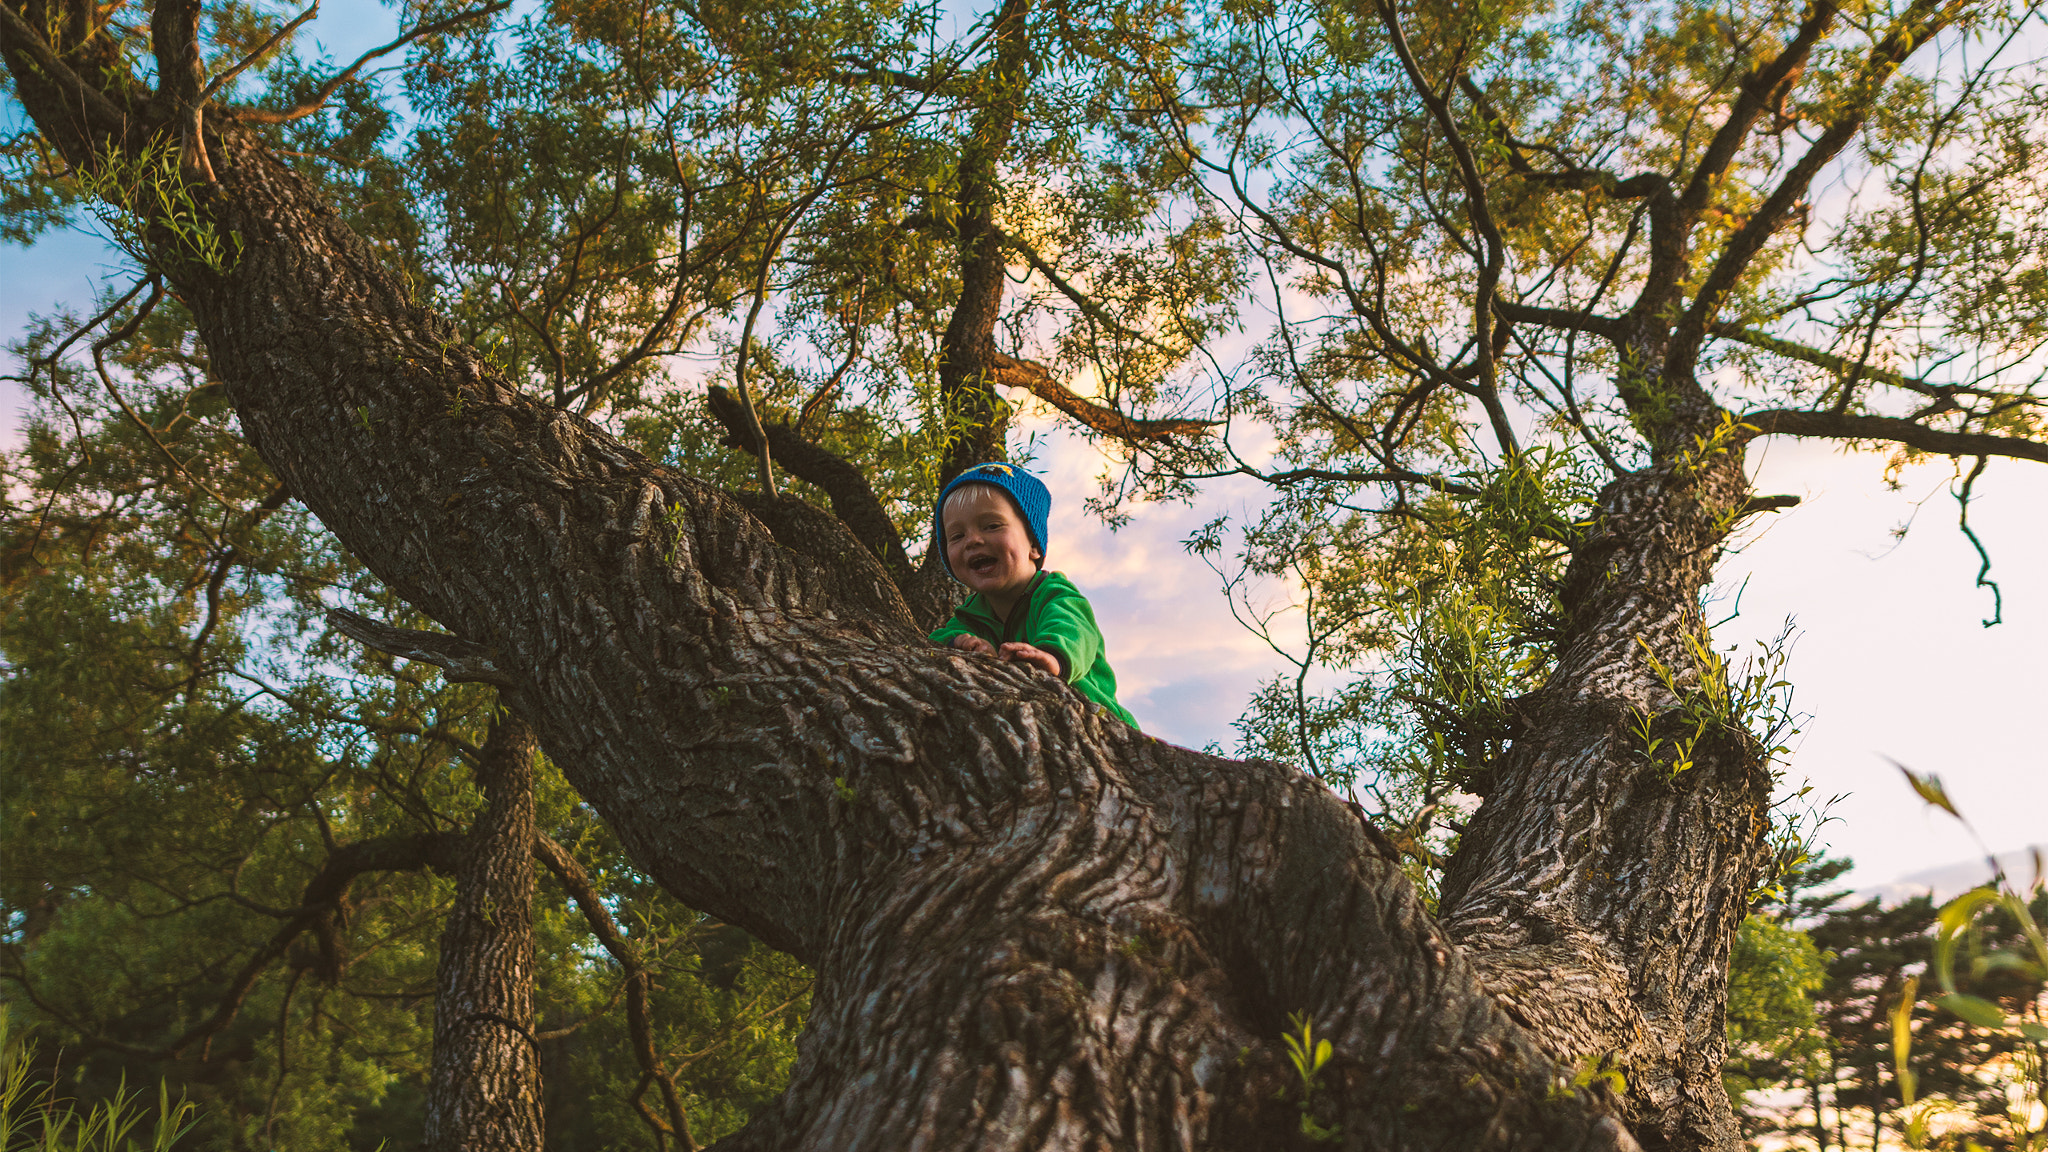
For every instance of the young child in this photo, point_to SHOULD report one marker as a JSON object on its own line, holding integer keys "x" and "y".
{"x": 990, "y": 524}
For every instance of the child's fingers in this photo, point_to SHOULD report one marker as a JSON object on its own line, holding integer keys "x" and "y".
{"x": 1021, "y": 653}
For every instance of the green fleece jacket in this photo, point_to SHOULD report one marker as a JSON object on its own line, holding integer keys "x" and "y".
{"x": 1053, "y": 616}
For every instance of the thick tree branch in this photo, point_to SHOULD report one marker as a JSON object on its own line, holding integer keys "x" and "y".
{"x": 174, "y": 37}
{"x": 323, "y": 898}
{"x": 1567, "y": 319}
{"x": 483, "y": 1086}
{"x": 1674, "y": 213}
{"x": 1757, "y": 504}
{"x": 459, "y": 659}
{"x": 1916, "y": 27}
{"x": 853, "y": 498}
{"x": 1034, "y": 378}
{"x": 180, "y": 73}
{"x": 977, "y": 424}
{"x": 1755, "y": 95}
{"x": 86, "y": 111}
{"x": 1845, "y": 426}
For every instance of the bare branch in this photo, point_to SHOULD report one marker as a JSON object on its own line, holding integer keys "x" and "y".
{"x": 218, "y": 82}
{"x": 639, "y": 1021}
{"x": 459, "y": 660}
{"x": 1842, "y": 366}
{"x": 1576, "y": 177}
{"x": 1035, "y": 378}
{"x": 322, "y": 897}
{"x": 322, "y": 94}
{"x": 99, "y": 363}
{"x": 1481, "y": 214}
{"x": 1080, "y": 299}
{"x": 1843, "y": 426}
{"x": 1984, "y": 579}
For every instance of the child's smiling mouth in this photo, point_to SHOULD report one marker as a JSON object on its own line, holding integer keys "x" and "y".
{"x": 982, "y": 564}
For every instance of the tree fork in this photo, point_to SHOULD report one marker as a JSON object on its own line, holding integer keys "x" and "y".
{"x": 928, "y": 593}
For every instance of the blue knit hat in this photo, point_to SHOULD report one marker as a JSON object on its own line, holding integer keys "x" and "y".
{"x": 1026, "y": 491}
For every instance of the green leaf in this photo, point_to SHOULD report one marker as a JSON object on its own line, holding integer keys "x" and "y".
{"x": 1957, "y": 913}
{"x": 1973, "y": 1009}
{"x": 2035, "y": 1032}
{"x": 1930, "y": 789}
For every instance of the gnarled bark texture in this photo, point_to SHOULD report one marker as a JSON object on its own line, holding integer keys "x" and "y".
{"x": 1597, "y": 891}
{"x": 483, "y": 1093}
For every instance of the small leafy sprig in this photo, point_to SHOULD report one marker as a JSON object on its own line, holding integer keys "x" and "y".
{"x": 1308, "y": 1055}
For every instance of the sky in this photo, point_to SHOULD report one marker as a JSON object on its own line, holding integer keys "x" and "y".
{"x": 1891, "y": 661}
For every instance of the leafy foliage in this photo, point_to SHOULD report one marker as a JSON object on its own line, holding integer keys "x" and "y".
{"x": 1822, "y": 994}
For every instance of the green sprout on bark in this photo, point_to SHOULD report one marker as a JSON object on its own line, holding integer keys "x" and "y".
{"x": 1308, "y": 1055}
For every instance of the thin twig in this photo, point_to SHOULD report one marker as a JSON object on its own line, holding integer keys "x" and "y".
{"x": 276, "y": 38}
{"x": 327, "y": 90}
{"x": 99, "y": 364}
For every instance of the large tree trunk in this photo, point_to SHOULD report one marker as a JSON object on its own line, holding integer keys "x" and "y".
{"x": 1597, "y": 890}
{"x": 483, "y": 1094}
{"x": 1033, "y": 927}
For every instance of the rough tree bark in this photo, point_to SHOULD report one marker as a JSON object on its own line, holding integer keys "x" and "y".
{"x": 483, "y": 1092}
{"x": 1032, "y": 926}
{"x": 1597, "y": 892}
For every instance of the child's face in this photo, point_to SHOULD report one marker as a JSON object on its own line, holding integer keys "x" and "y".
{"x": 987, "y": 544}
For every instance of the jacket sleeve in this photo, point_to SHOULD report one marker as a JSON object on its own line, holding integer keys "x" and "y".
{"x": 1066, "y": 628}
{"x": 954, "y": 626}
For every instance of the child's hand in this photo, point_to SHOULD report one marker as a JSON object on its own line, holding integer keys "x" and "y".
{"x": 974, "y": 644}
{"x": 1018, "y": 652}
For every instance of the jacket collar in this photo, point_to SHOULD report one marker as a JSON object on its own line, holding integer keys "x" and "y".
{"x": 978, "y": 605}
